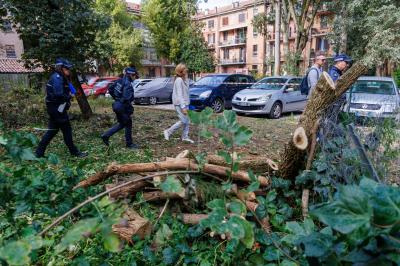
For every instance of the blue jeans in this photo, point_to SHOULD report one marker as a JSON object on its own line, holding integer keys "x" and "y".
{"x": 183, "y": 121}
{"x": 123, "y": 113}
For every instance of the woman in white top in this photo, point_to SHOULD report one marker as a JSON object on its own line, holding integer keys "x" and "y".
{"x": 181, "y": 101}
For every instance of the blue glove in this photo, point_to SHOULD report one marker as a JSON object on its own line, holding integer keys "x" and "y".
{"x": 72, "y": 88}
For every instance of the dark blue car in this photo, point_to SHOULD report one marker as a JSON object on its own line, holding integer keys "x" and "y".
{"x": 217, "y": 90}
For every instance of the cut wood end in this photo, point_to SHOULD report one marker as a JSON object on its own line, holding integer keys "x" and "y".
{"x": 329, "y": 80}
{"x": 274, "y": 166}
{"x": 300, "y": 139}
{"x": 182, "y": 155}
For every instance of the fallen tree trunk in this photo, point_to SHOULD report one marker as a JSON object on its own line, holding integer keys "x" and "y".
{"x": 177, "y": 164}
{"x": 262, "y": 164}
{"x": 132, "y": 224}
{"x": 160, "y": 195}
{"x": 324, "y": 94}
{"x": 127, "y": 191}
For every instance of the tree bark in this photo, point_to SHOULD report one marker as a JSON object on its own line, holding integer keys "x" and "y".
{"x": 160, "y": 196}
{"x": 132, "y": 224}
{"x": 193, "y": 219}
{"x": 128, "y": 191}
{"x": 325, "y": 93}
{"x": 178, "y": 164}
{"x": 260, "y": 164}
{"x": 81, "y": 97}
{"x": 277, "y": 60}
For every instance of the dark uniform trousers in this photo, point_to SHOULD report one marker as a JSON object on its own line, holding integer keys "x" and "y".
{"x": 57, "y": 121}
{"x": 123, "y": 112}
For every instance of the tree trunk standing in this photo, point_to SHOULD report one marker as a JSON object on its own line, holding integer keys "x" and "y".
{"x": 277, "y": 60}
{"x": 285, "y": 21}
{"x": 325, "y": 93}
{"x": 81, "y": 97}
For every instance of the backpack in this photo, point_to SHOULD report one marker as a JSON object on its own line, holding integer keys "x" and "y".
{"x": 304, "y": 87}
{"x": 115, "y": 89}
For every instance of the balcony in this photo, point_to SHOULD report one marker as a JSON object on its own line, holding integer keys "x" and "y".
{"x": 211, "y": 46}
{"x": 151, "y": 62}
{"x": 226, "y": 62}
{"x": 237, "y": 41}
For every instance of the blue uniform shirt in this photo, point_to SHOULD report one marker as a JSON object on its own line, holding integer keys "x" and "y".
{"x": 335, "y": 73}
{"x": 57, "y": 89}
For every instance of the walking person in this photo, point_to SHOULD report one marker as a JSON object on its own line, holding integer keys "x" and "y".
{"x": 123, "y": 95}
{"x": 181, "y": 101}
{"x": 58, "y": 101}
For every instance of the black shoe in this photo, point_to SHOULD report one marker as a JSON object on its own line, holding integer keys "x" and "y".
{"x": 132, "y": 146}
{"x": 81, "y": 154}
{"x": 106, "y": 140}
{"x": 39, "y": 155}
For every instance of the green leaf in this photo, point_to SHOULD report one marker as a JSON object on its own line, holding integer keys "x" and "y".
{"x": 242, "y": 136}
{"x": 171, "y": 185}
{"x": 230, "y": 117}
{"x": 234, "y": 227}
{"x": 112, "y": 243}
{"x": 3, "y": 140}
{"x": 216, "y": 204}
{"x": 237, "y": 207}
{"x": 77, "y": 233}
{"x": 317, "y": 244}
{"x": 16, "y": 253}
{"x": 170, "y": 256}
{"x": 271, "y": 196}
{"x": 226, "y": 156}
{"x": 194, "y": 117}
{"x": 271, "y": 253}
{"x": 206, "y": 134}
{"x": 28, "y": 155}
{"x": 163, "y": 235}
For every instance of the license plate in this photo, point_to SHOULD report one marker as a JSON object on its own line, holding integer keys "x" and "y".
{"x": 244, "y": 104}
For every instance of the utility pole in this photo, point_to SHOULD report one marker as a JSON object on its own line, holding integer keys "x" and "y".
{"x": 277, "y": 60}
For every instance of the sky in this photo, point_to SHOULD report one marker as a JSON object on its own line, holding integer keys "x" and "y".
{"x": 210, "y": 3}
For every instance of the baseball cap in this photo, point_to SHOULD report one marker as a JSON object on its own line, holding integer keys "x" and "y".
{"x": 64, "y": 63}
{"x": 342, "y": 57}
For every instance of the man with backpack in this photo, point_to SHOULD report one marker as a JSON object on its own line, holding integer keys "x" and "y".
{"x": 312, "y": 75}
{"x": 123, "y": 95}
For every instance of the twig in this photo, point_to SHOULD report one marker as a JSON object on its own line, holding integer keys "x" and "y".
{"x": 90, "y": 199}
{"x": 162, "y": 212}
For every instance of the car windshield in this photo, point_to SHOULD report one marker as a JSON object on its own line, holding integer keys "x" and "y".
{"x": 210, "y": 81}
{"x": 373, "y": 87}
{"x": 92, "y": 81}
{"x": 269, "y": 84}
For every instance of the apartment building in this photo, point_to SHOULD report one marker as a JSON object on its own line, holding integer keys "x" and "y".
{"x": 152, "y": 65}
{"x": 239, "y": 48}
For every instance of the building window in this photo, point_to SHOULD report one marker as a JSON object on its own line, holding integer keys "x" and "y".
{"x": 255, "y": 32}
{"x": 242, "y": 17}
{"x": 255, "y": 11}
{"x": 254, "y": 67}
{"x": 211, "y": 38}
{"x": 226, "y": 53}
{"x": 225, "y": 21}
{"x": 322, "y": 45}
{"x": 152, "y": 72}
{"x": 225, "y": 36}
{"x": 211, "y": 24}
{"x": 255, "y": 50}
{"x": 7, "y": 27}
{"x": 324, "y": 20}
{"x": 10, "y": 51}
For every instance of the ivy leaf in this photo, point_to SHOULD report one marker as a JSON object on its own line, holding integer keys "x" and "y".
{"x": 77, "y": 233}
{"x": 235, "y": 228}
{"x": 317, "y": 244}
{"x": 255, "y": 184}
{"x": 170, "y": 256}
{"x": 226, "y": 156}
{"x": 271, "y": 253}
{"x": 216, "y": 204}
{"x": 28, "y": 155}
{"x": 163, "y": 235}
{"x": 237, "y": 207}
{"x": 242, "y": 136}
{"x": 112, "y": 243}
{"x": 171, "y": 185}
{"x": 16, "y": 253}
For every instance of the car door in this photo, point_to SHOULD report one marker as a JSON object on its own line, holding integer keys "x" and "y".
{"x": 295, "y": 101}
{"x": 243, "y": 83}
{"x": 230, "y": 88}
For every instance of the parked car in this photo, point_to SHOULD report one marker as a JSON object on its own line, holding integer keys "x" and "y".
{"x": 373, "y": 97}
{"x": 100, "y": 88}
{"x": 272, "y": 96}
{"x": 137, "y": 83}
{"x": 156, "y": 91}
{"x": 90, "y": 84}
{"x": 217, "y": 90}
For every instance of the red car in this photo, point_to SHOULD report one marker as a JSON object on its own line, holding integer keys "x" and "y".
{"x": 100, "y": 86}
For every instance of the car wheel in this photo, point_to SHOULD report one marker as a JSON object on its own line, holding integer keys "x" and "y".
{"x": 276, "y": 110}
{"x": 217, "y": 105}
{"x": 153, "y": 100}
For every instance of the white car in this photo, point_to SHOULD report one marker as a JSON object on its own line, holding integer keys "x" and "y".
{"x": 272, "y": 96}
{"x": 137, "y": 83}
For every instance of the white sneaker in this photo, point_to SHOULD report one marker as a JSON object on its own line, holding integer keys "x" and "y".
{"x": 166, "y": 135}
{"x": 188, "y": 140}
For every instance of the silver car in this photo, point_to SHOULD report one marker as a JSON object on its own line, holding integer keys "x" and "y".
{"x": 373, "y": 97}
{"x": 272, "y": 96}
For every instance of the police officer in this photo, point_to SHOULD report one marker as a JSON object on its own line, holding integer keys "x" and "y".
{"x": 342, "y": 61}
{"x": 123, "y": 94}
{"x": 58, "y": 101}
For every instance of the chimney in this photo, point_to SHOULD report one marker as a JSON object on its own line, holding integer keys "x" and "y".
{"x": 216, "y": 9}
